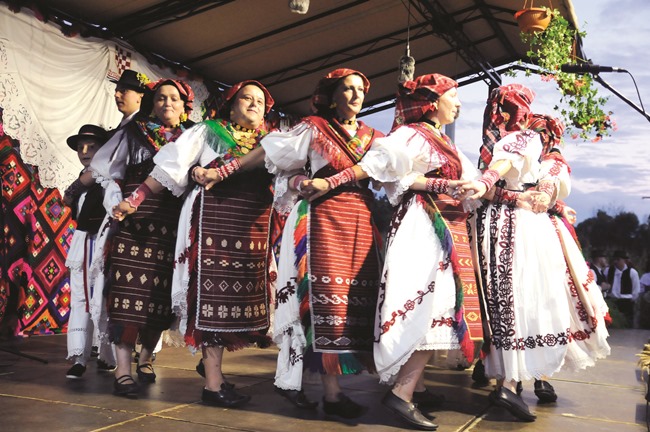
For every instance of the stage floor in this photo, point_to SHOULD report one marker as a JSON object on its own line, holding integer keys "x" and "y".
{"x": 38, "y": 397}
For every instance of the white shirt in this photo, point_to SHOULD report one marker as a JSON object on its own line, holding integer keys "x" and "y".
{"x": 616, "y": 284}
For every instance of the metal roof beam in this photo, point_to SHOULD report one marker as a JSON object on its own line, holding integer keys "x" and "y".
{"x": 446, "y": 26}
{"x": 161, "y": 14}
{"x": 370, "y": 48}
{"x": 273, "y": 32}
{"x": 394, "y": 71}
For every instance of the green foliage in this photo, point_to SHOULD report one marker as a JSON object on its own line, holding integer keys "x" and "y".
{"x": 582, "y": 107}
{"x": 622, "y": 231}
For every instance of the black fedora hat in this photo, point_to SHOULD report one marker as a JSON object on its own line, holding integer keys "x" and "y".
{"x": 88, "y": 131}
{"x": 597, "y": 253}
{"x": 132, "y": 80}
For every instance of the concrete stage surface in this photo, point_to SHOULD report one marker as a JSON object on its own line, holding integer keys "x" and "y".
{"x": 38, "y": 397}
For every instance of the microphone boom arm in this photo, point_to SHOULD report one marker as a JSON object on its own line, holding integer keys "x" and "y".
{"x": 620, "y": 96}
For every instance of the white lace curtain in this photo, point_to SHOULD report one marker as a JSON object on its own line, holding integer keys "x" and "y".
{"x": 51, "y": 84}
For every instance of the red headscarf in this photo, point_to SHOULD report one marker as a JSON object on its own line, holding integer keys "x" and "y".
{"x": 232, "y": 91}
{"x": 322, "y": 96}
{"x": 186, "y": 92}
{"x": 506, "y": 107}
{"x": 415, "y": 98}
{"x": 550, "y": 128}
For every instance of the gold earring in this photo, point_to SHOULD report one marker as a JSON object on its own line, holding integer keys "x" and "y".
{"x": 333, "y": 105}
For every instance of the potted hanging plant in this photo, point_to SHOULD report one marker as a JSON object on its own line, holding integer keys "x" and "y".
{"x": 582, "y": 106}
{"x": 532, "y": 19}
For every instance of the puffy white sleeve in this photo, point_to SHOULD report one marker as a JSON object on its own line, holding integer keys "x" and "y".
{"x": 522, "y": 149}
{"x": 398, "y": 159}
{"x": 174, "y": 160}
{"x": 286, "y": 155}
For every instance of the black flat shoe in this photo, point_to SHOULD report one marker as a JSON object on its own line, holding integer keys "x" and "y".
{"x": 125, "y": 386}
{"x": 478, "y": 374}
{"x": 426, "y": 399}
{"x": 226, "y": 397}
{"x": 296, "y": 397}
{"x": 146, "y": 377}
{"x": 545, "y": 392}
{"x": 200, "y": 369}
{"x": 408, "y": 412}
{"x": 505, "y": 398}
{"x": 344, "y": 407}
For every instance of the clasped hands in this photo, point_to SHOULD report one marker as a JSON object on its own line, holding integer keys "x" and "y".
{"x": 206, "y": 177}
{"x": 122, "y": 210}
{"x": 535, "y": 201}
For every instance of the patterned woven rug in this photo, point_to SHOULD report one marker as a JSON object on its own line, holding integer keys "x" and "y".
{"x": 36, "y": 234}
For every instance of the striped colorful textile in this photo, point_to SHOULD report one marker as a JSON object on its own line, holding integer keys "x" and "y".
{"x": 141, "y": 262}
{"x": 229, "y": 294}
{"x": 344, "y": 273}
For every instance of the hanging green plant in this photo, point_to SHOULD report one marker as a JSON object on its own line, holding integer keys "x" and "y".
{"x": 582, "y": 106}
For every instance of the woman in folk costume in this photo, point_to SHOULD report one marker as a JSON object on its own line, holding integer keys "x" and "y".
{"x": 141, "y": 256}
{"x": 540, "y": 313}
{"x": 221, "y": 278}
{"x": 328, "y": 272}
{"x": 428, "y": 298}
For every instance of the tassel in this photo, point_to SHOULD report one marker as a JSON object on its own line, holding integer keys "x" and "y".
{"x": 406, "y": 69}
{"x": 299, "y": 6}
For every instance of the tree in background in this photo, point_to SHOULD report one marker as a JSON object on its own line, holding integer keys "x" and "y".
{"x": 620, "y": 232}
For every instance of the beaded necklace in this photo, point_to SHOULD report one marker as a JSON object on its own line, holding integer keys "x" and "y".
{"x": 246, "y": 139}
{"x": 157, "y": 133}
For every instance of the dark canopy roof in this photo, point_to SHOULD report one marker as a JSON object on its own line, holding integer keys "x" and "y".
{"x": 228, "y": 41}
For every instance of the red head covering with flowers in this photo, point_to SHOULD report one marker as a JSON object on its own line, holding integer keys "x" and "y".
{"x": 322, "y": 96}
{"x": 184, "y": 89}
{"x": 550, "y": 128}
{"x": 415, "y": 98}
{"x": 506, "y": 107}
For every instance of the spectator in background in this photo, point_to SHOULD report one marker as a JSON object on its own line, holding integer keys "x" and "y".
{"x": 598, "y": 266}
{"x": 624, "y": 281}
{"x": 642, "y": 311}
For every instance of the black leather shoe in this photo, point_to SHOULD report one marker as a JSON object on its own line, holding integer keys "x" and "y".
{"x": 408, "y": 412}
{"x": 545, "y": 392}
{"x": 344, "y": 407}
{"x": 146, "y": 377}
{"x": 478, "y": 374}
{"x": 520, "y": 388}
{"x": 296, "y": 397}
{"x": 200, "y": 369}
{"x": 505, "y": 398}
{"x": 125, "y": 386}
{"x": 226, "y": 397}
{"x": 426, "y": 399}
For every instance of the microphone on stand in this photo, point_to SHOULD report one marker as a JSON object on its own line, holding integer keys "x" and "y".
{"x": 582, "y": 68}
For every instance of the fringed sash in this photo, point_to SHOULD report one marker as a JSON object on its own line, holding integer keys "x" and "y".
{"x": 449, "y": 220}
{"x": 334, "y": 143}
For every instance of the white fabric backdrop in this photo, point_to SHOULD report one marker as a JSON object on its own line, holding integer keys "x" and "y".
{"x": 51, "y": 84}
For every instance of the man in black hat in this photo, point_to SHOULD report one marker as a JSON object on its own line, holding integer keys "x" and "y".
{"x": 129, "y": 91}
{"x": 625, "y": 285}
{"x": 598, "y": 265}
{"x": 88, "y": 211}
